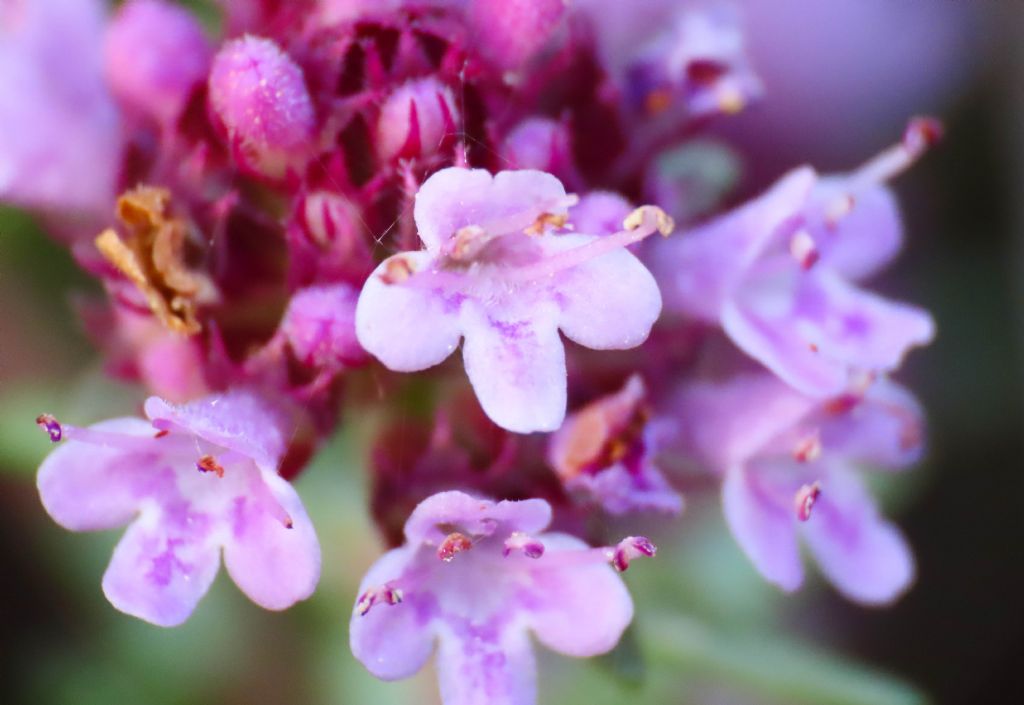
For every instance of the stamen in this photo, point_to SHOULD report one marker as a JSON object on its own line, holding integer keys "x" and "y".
{"x": 803, "y": 501}
{"x": 398, "y": 269}
{"x": 208, "y": 463}
{"x": 545, "y": 221}
{"x": 803, "y": 249}
{"x": 163, "y": 432}
{"x": 385, "y": 594}
{"x": 731, "y": 100}
{"x": 453, "y": 544}
{"x": 629, "y": 548}
{"x": 640, "y": 224}
{"x": 50, "y": 424}
{"x": 518, "y": 541}
{"x": 808, "y": 449}
{"x": 467, "y": 242}
{"x": 921, "y": 133}
{"x": 838, "y": 209}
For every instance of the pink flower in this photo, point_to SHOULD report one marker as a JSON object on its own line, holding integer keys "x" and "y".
{"x": 494, "y": 273}
{"x": 789, "y": 466}
{"x": 193, "y": 481}
{"x": 476, "y": 578}
{"x": 777, "y": 274}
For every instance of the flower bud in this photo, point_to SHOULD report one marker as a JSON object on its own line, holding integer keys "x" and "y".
{"x": 326, "y": 240}
{"x": 154, "y": 54}
{"x": 542, "y": 144}
{"x": 320, "y": 327}
{"x": 511, "y": 31}
{"x": 416, "y": 119}
{"x": 259, "y": 95}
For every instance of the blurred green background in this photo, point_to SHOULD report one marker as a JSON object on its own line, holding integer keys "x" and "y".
{"x": 709, "y": 630}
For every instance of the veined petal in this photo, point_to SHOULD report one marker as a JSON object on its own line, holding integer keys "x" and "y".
{"x": 609, "y": 302}
{"x": 158, "y": 575}
{"x": 516, "y": 363}
{"x": 576, "y": 610}
{"x": 408, "y": 328}
{"x": 486, "y": 663}
{"x": 273, "y": 559}
{"x": 864, "y": 556}
{"x": 87, "y": 487}
{"x": 763, "y": 527}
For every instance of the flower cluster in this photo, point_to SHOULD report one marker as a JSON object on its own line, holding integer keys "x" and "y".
{"x": 333, "y": 191}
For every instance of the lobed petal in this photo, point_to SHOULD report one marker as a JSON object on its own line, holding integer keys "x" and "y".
{"x": 508, "y": 202}
{"x": 607, "y": 303}
{"x": 700, "y": 270}
{"x": 474, "y": 516}
{"x": 864, "y": 556}
{"x": 239, "y": 420}
{"x": 87, "y": 487}
{"x": 763, "y": 527}
{"x": 393, "y": 641}
{"x": 577, "y": 610}
{"x": 273, "y": 564}
{"x": 864, "y": 240}
{"x": 407, "y": 327}
{"x": 159, "y": 574}
{"x": 486, "y": 663}
{"x": 885, "y": 429}
{"x": 516, "y": 363}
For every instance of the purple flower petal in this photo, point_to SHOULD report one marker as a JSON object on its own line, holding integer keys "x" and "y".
{"x": 159, "y": 576}
{"x": 478, "y": 664}
{"x": 608, "y": 303}
{"x": 90, "y": 488}
{"x": 578, "y": 611}
{"x": 863, "y": 240}
{"x": 863, "y": 555}
{"x": 885, "y": 429}
{"x": 508, "y": 202}
{"x": 405, "y": 327}
{"x": 428, "y": 522}
{"x": 276, "y": 563}
{"x": 243, "y": 422}
{"x": 701, "y": 269}
{"x": 516, "y": 363}
{"x": 393, "y": 643}
{"x": 763, "y": 528}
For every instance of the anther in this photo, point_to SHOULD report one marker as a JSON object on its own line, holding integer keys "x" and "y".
{"x": 650, "y": 216}
{"x": 839, "y": 208}
{"x": 161, "y": 433}
{"x": 397, "y": 270}
{"x": 48, "y": 423}
{"x": 208, "y": 463}
{"x": 922, "y": 133}
{"x": 385, "y": 594}
{"x": 803, "y": 249}
{"x": 546, "y": 220}
{"x": 453, "y": 543}
{"x": 808, "y": 449}
{"x": 629, "y": 548}
{"x": 803, "y": 501}
{"x": 519, "y": 541}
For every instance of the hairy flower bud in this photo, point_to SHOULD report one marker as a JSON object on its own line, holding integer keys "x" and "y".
{"x": 155, "y": 53}
{"x": 259, "y": 95}
{"x": 416, "y": 119}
